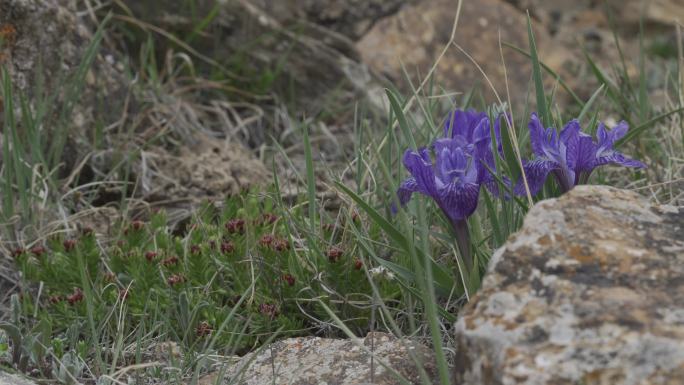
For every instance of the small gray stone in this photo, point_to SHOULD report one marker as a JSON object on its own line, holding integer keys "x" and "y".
{"x": 12, "y": 379}
{"x": 313, "y": 360}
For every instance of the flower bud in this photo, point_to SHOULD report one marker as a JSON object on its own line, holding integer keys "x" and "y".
{"x": 334, "y": 254}
{"x": 76, "y": 296}
{"x": 289, "y": 279}
{"x": 69, "y": 244}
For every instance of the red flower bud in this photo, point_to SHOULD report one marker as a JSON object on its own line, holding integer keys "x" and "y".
{"x": 266, "y": 240}
{"x": 55, "y": 299}
{"x": 76, "y": 296}
{"x": 175, "y": 279}
{"x": 69, "y": 244}
{"x": 17, "y": 252}
{"x": 358, "y": 264}
{"x": 281, "y": 245}
{"x": 109, "y": 277}
{"x": 87, "y": 231}
{"x": 137, "y": 225}
{"x": 227, "y": 247}
{"x": 334, "y": 254}
{"x": 195, "y": 249}
{"x": 170, "y": 261}
{"x": 289, "y": 279}
{"x": 269, "y": 218}
{"x": 151, "y": 256}
{"x": 235, "y": 226}
{"x": 37, "y": 250}
{"x": 203, "y": 329}
{"x": 268, "y": 310}
{"x": 123, "y": 294}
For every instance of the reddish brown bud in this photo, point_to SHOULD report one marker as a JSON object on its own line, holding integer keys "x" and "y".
{"x": 334, "y": 254}
{"x": 123, "y": 294}
{"x": 76, "y": 296}
{"x": 69, "y": 244}
{"x": 289, "y": 279}
{"x": 266, "y": 240}
{"x": 137, "y": 225}
{"x": 269, "y": 218}
{"x": 37, "y": 250}
{"x": 281, "y": 245}
{"x": 55, "y": 299}
{"x": 212, "y": 244}
{"x": 203, "y": 329}
{"x": 268, "y": 310}
{"x": 151, "y": 256}
{"x": 358, "y": 264}
{"x": 170, "y": 261}
{"x": 235, "y": 226}
{"x": 175, "y": 279}
{"x": 17, "y": 252}
{"x": 87, "y": 231}
{"x": 195, "y": 249}
{"x": 227, "y": 247}
{"x": 109, "y": 277}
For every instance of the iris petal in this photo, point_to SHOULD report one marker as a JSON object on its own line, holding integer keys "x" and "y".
{"x": 614, "y": 157}
{"x": 535, "y": 173}
{"x": 459, "y": 200}
{"x": 584, "y": 151}
{"x": 537, "y": 135}
{"x": 420, "y": 167}
{"x": 406, "y": 189}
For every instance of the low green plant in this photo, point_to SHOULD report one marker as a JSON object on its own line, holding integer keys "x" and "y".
{"x": 234, "y": 276}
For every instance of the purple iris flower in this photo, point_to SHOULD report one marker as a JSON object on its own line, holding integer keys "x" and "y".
{"x": 453, "y": 179}
{"x": 571, "y": 155}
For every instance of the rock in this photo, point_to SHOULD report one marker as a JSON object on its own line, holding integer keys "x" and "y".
{"x": 351, "y": 18}
{"x": 416, "y": 35}
{"x": 43, "y": 42}
{"x": 42, "y": 45}
{"x": 313, "y": 360}
{"x": 626, "y": 13}
{"x": 589, "y": 291}
{"x": 309, "y": 64}
{"x": 11, "y": 379}
{"x": 585, "y": 23}
{"x": 38, "y": 33}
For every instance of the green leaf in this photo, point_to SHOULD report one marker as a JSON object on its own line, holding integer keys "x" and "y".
{"x": 537, "y": 76}
{"x": 398, "y": 111}
{"x": 590, "y": 102}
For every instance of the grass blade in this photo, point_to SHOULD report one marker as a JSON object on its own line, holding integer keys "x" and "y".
{"x": 537, "y": 76}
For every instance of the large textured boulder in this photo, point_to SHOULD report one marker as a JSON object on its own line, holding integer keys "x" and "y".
{"x": 351, "y": 18}
{"x": 590, "y": 291}
{"x": 313, "y": 360}
{"x": 627, "y": 13}
{"x": 316, "y": 67}
{"x": 43, "y": 42}
{"x": 42, "y": 45}
{"x": 415, "y": 36}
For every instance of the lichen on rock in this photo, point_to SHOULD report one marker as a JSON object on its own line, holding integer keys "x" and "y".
{"x": 590, "y": 291}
